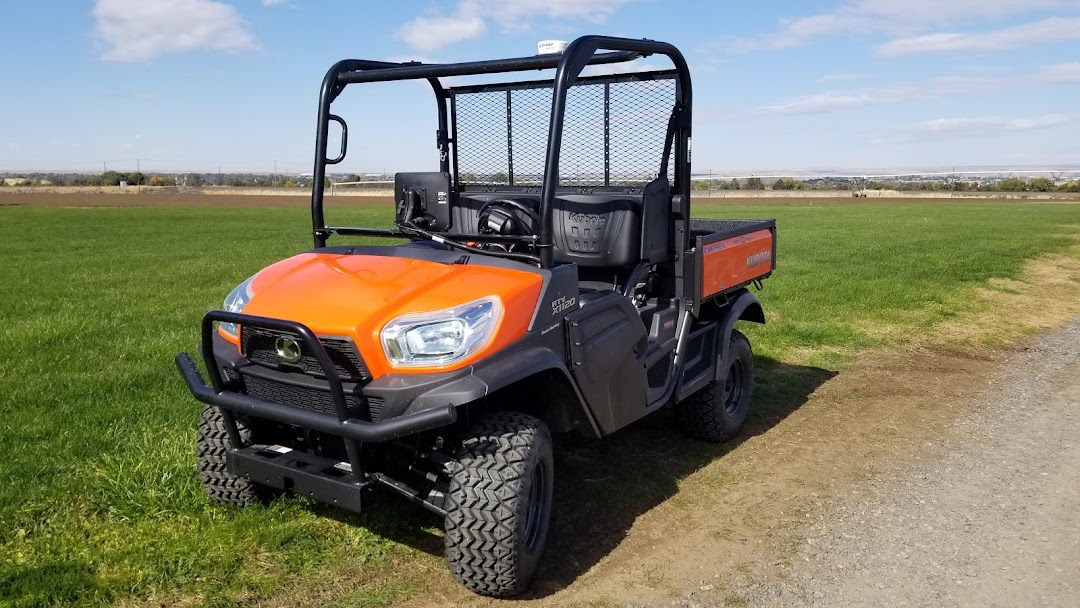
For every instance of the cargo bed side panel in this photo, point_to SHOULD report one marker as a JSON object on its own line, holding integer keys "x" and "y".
{"x": 735, "y": 261}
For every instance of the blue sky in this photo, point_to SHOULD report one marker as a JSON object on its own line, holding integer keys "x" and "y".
{"x": 808, "y": 85}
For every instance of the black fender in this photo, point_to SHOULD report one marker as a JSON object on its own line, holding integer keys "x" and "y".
{"x": 744, "y": 307}
{"x": 406, "y": 394}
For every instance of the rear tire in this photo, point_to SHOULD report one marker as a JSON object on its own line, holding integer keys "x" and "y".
{"x": 211, "y": 445}
{"x": 717, "y": 412}
{"x": 499, "y": 505}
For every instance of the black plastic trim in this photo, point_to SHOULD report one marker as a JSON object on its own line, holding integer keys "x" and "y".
{"x": 744, "y": 306}
{"x": 407, "y": 394}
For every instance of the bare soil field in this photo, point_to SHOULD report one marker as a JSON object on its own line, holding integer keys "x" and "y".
{"x": 106, "y": 199}
{"x": 92, "y": 197}
{"x": 382, "y": 191}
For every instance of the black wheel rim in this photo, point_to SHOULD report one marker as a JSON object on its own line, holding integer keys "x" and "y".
{"x": 734, "y": 386}
{"x": 534, "y": 516}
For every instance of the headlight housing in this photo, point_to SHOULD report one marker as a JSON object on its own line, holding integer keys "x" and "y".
{"x": 235, "y": 302}
{"x": 442, "y": 337}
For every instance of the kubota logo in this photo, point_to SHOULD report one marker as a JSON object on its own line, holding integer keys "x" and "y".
{"x": 758, "y": 258}
{"x": 591, "y": 219}
{"x": 288, "y": 349}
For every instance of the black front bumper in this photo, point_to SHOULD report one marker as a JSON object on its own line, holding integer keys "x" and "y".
{"x": 324, "y": 479}
{"x": 341, "y": 425}
{"x": 349, "y": 428}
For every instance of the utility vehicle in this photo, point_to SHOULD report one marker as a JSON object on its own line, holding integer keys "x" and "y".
{"x": 546, "y": 278}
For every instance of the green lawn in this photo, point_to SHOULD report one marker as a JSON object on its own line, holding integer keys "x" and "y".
{"x": 99, "y": 500}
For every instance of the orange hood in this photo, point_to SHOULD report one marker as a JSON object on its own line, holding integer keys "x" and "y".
{"x": 357, "y": 295}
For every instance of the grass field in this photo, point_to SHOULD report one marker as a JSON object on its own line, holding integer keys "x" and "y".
{"x": 99, "y": 500}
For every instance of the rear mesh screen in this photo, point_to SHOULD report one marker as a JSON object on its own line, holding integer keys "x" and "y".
{"x": 613, "y": 132}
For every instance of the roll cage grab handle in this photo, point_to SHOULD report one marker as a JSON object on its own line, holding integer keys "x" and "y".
{"x": 568, "y": 66}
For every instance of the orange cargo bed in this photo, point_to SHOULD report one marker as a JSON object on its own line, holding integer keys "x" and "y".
{"x": 729, "y": 255}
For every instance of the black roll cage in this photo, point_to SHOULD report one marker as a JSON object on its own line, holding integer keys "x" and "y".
{"x": 568, "y": 66}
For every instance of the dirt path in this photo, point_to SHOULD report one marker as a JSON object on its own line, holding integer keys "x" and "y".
{"x": 732, "y": 528}
{"x": 989, "y": 517}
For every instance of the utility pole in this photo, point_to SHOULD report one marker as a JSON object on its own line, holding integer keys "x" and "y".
{"x": 273, "y": 180}
{"x": 138, "y": 176}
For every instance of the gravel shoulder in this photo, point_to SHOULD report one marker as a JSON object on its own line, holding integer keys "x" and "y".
{"x": 989, "y": 515}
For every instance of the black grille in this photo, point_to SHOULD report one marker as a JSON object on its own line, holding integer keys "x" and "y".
{"x": 302, "y": 397}
{"x": 375, "y": 407}
{"x": 259, "y": 346}
{"x": 658, "y": 373}
{"x": 613, "y": 132}
{"x": 701, "y": 344}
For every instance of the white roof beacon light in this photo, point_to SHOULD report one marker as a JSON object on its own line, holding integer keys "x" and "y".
{"x": 551, "y": 47}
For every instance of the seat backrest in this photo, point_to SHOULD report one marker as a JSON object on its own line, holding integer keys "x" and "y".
{"x": 597, "y": 230}
{"x": 657, "y": 229}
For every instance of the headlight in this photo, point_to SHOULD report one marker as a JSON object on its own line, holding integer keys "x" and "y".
{"x": 441, "y": 337}
{"x": 235, "y": 302}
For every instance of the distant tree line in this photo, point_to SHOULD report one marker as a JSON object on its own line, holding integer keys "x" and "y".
{"x": 135, "y": 178}
{"x": 1012, "y": 184}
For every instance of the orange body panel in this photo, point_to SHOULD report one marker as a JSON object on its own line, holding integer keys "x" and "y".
{"x": 357, "y": 295}
{"x": 735, "y": 261}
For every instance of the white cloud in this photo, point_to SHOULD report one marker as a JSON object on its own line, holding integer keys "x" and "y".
{"x": 272, "y": 2}
{"x": 139, "y": 30}
{"x": 1054, "y": 29}
{"x": 1062, "y": 72}
{"x": 469, "y": 19}
{"x": 428, "y": 34}
{"x": 987, "y": 125}
{"x": 820, "y": 104}
{"x": 944, "y": 86}
{"x": 894, "y": 17}
{"x": 519, "y": 13}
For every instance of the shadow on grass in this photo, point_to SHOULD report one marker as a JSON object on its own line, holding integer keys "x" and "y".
{"x": 603, "y": 486}
{"x": 55, "y": 583}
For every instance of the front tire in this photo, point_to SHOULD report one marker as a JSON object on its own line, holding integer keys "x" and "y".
{"x": 211, "y": 445}
{"x": 499, "y": 505}
{"x": 717, "y": 412}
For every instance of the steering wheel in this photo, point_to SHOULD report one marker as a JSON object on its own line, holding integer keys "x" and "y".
{"x": 483, "y": 217}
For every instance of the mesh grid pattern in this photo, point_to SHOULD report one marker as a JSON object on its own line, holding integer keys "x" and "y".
{"x": 485, "y": 137}
{"x": 503, "y": 134}
{"x": 304, "y": 398}
{"x": 259, "y": 346}
{"x": 658, "y": 373}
